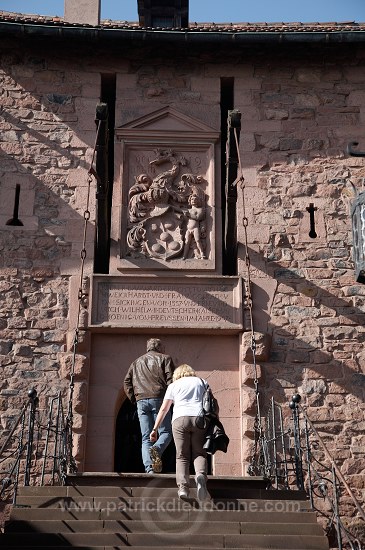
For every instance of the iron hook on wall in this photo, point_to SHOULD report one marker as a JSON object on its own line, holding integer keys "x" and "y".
{"x": 15, "y": 221}
{"x": 311, "y": 209}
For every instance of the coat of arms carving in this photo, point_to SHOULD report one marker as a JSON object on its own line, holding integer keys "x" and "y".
{"x": 166, "y": 213}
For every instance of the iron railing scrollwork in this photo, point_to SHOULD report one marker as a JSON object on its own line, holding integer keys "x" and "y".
{"x": 293, "y": 455}
{"x": 35, "y": 452}
{"x": 18, "y": 455}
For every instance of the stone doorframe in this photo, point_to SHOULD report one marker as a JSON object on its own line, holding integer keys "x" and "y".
{"x": 215, "y": 310}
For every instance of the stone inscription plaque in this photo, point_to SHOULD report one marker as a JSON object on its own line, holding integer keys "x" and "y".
{"x": 178, "y": 302}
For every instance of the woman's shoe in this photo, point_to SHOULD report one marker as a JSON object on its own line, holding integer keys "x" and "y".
{"x": 183, "y": 492}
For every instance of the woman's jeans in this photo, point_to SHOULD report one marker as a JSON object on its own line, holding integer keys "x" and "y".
{"x": 189, "y": 441}
{"x": 147, "y": 410}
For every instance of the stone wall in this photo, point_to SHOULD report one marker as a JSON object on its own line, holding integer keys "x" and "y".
{"x": 46, "y": 143}
{"x": 297, "y": 119}
{"x": 299, "y": 111}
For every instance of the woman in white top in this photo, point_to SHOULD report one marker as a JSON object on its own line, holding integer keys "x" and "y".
{"x": 186, "y": 393}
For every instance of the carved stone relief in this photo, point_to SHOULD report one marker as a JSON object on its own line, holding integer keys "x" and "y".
{"x": 164, "y": 199}
{"x": 180, "y": 302}
{"x": 167, "y": 213}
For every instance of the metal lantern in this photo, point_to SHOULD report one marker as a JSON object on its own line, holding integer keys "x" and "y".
{"x": 358, "y": 236}
{"x": 358, "y": 223}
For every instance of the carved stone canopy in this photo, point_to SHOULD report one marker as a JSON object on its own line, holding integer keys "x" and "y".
{"x": 164, "y": 214}
{"x": 178, "y": 126}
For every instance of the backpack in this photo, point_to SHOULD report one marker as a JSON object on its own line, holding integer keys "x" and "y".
{"x": 209, "y": 402}
{"x": 209, "y": 410}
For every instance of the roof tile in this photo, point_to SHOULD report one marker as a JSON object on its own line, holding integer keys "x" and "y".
{"x": 344, "y": 26}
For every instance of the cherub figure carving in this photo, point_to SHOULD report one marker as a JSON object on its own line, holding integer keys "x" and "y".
{"x": 195, "y": 215}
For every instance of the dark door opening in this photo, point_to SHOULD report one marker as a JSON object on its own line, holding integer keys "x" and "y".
{"x": 127, "y": 453}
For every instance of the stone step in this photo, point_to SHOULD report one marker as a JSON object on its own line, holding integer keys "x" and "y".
{"x": 159, "y": 502}
{"x": 122, "y": 547}
{"x": 102, "y": 479}
{"x": 142, "y": 511}
{"x": 152, "y": 489}
{"x": 157, "y": 527}
{"x": 191, "y": 514}
{"x": 262, "y": 541}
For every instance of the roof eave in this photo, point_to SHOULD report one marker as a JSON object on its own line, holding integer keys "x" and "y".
{"x": 185, "y": 36}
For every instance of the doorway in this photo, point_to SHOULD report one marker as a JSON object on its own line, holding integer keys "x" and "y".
{"x": 127, "y": 448}
{"x": 112, "y": 433}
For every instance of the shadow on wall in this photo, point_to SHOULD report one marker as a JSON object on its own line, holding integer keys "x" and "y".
{"x": 45, "y": 150}
{"x": 312, "y": 330}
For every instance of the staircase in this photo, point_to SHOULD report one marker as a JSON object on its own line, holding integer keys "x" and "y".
{"x": 110, "y": 511}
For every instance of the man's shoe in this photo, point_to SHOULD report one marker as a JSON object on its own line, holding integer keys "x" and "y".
{"x": 156, "y": 460}
{"x": 183, "y": 492}
{"x": 201, "y": 487}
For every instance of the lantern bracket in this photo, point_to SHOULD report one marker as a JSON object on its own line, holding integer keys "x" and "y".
{"x": 351, "y": 151}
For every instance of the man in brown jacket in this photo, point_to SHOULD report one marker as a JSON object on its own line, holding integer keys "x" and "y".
{"x": 145, "y": 384}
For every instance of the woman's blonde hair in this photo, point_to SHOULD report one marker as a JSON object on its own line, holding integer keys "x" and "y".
{"x": 181, "y": 371}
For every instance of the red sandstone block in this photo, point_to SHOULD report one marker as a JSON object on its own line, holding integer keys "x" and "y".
{"x": 101, "y": 425}
{"x": 248, "y": 143}
{"x": 234, "y": 450}
{"x": 332, "y": 75}
{"x": 230, "y": 426}
{"x": 126, "y": 80}
{"x": 204, "y": 84}
{"x": 87, "y": 90}
{"x": 42, "y": 272}
{"x": 80, "y": 422}
{"x": 258, "y": 126}
{"x": 17, "y": 322}
{"x": 78, "y": 363}
{"x": 334, "y": 387}
{"x": 276, "y": 114}
{"x": 334, "y": 400}
{"x": 248, "y": 373}
{"x": 83, "y": 138}
{"x": 246, "y": 83}
{"x": 233, "y": 469}
{"x": 248, "y": 425}
{"x": 71, "y": 266}
{"x": 78, "y": 446}
{"x": 107, "y": 396}
{"x": 245, "y": 98}
{"x": 80, "y": 397}
{"x": 100, "y": 447}
{"x": 248, "y": 400}
{"x": 11, "y": 148}
{"x": 354, "y": 74}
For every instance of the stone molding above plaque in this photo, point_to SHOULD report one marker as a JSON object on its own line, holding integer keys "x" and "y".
{"x": 164, "y": 199}
{"x": 188, "y": 303}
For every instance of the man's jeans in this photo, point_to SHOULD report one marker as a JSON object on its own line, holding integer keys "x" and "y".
{"x": 147, "y": 411}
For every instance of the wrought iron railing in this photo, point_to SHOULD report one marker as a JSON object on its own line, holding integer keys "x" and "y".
{"x": 42, "y": 451}
{"x": 291, "y": 454}
{"x": 36, "y": 452}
